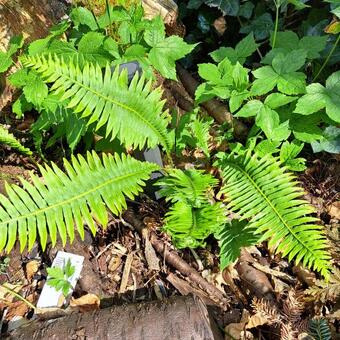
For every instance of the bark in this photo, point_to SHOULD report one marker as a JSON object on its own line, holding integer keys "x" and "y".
{"x": 172, "y": 258}
{"x": 182, "y": 318}
{"x": 32, "y": 18}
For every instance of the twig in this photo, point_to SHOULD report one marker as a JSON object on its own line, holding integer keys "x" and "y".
{"x": 198, "y": 260}
{"x": 17, "y": 295}
{"x": 126, "y": 272}
{"x": 171, "y": 257}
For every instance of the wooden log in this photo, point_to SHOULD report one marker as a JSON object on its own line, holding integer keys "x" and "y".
{"x": 178, "y": 318}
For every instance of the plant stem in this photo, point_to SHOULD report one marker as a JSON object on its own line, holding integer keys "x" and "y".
{"x": 328, "y": 57}
{"x": 11, "y": 291}
{"x": 277, "y": 5}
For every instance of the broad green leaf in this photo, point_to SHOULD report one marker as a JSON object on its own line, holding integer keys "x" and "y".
{"x": 5, "y": 61}
{"x": 164, "y": 54}
{"x": 236, "y": 99}
{"x": 155, "y": 32}
{"x": 111, "y": 46}
{"x": 246, "y": 10}
{"x": 39, "y": 46}
{"x": 64, "y": 49}
{"x": 209, "y": 72}
{"x": 91, "y": 48}
{"x": 20, "y": 106}
{"x": 330, "y": 142}
{"x": 260, "y": 26}
{"x": 288, "y": 63}
{"x": 306, "y": 130}
{"x": 275, "y": 100}
{"x": 318, "y": 97}
{"x": 245, "y": 48}
{"x": 35, "y": 90}
{"x": 113, "y": 14}
{"x": 267, "y": 119}
{"x": 265, "y": 82}
{"x": 252, "y": 108}
{"x": 82, "y": 16}
{"x": 267, "y": 147}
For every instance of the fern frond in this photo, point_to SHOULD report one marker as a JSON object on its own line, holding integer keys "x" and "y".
{"x": 80, "y": 195}
{"x": 189, "y": 226}
{"x": 9, "y": 139}
{"x": 260, "y": 191}
{"x": 319, "y": 330}
{"x": 189, "y": 185}
{"x": 192, "y": 217}
{"x": 133, "y": 113}
{"x": 231, "y": 238}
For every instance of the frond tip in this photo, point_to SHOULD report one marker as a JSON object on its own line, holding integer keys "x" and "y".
{"x": 260, "y": 191}
{"x": 8, "y": 139}
{"x": 80, "y": 195}
{"x": 132, "y": 112}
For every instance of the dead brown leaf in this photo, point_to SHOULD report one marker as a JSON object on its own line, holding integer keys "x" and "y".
{"x": 32, "y": 268}
{"x": 114, "y": 263}
{"x": 86, "y": 303}
{"x": 334, "y": 210}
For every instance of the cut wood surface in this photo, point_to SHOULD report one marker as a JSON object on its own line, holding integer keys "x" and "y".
{"x": 182, "y": 318}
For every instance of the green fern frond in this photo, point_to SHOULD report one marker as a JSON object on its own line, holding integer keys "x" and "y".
{"x": 9, "y": 139}
{"x": 231, "y": 238}
{"x": 200, "y": 130}
{"x": 189, "y": 226}
{"x": 260, "y": 191}
{"x": 192, "y": 217}
{"x": 189, "y": 185}
{"x": 80, "y": 195}
{"x": 318, "y": 329}
{"x": 133, "y": 113}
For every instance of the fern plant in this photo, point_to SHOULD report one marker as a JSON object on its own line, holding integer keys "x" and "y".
{"x": 318, "y": 329}
{"x": 193, "y": 216}
{"x": 260, "y": 191}
{"x": 81, "y": 195}
{"x": 133, "y": 113}
{"x": 9, "y": 139}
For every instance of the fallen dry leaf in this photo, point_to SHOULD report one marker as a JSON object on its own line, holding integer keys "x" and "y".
{"x": 114, "y": 263}
{"x": 150, "y": 254}
{"x": 32, "y": 268}
{"x": 86, "y": 303}
{"x": 237, "y": 331}
{"x": 220, "y": 25}
{"x": 334, "y": 210}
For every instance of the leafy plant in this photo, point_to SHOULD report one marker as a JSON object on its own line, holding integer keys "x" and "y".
{"x": 6, "y": 60}
{"x": 9, "y": 139}
{"x": 97, "y": 96}
{"x": 259, "y": 190}
{"x": 83, "y": 194}
{"x": 191, "y": 218}
{"x": 318, "y": 329}
{"x": 59, "y": 277}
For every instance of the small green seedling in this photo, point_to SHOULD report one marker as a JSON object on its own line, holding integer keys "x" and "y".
{"x": 59, "y": 277}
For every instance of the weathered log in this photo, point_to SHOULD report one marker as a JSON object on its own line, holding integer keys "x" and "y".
{"x": 182, "y": 318}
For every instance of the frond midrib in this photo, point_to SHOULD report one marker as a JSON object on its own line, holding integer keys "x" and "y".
{"x": 126, "y": 107}
{"x": 72, "y": 199}
{"x": 271, "y": 205}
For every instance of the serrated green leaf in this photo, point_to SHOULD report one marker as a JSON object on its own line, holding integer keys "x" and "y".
{"x": 275, "y": 100}
{"x": 330, "y": 142}
{"x": 250, "y": 109}
{"x": 5, "y": 61}
{"x": 19, "y": 78}
{"x": 261, "y": 26}
{"x": 82, "y": 16}
{"x": 319, "y": 97}
{"x": 35, "y": 90}
{"x": 155, "y": 32}
{"x": 306, "y": 131}
{"x": 164, "y": 54}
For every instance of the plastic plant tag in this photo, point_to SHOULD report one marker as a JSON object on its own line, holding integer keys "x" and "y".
{"x": 49, "y": 296}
